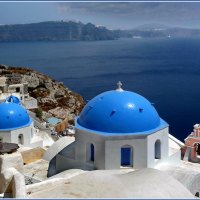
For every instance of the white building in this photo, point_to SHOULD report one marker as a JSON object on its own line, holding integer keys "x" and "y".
{"x": 19, "y": 90}
{"x": 115, "y": 129}
{"x": 15, "y": 124}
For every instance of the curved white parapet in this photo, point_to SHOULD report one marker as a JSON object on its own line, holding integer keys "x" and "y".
{"x": 56, "y": 147}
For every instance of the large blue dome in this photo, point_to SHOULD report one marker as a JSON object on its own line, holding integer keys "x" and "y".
{"x": 13, "y": 116}
{"x": 119, "y": 112}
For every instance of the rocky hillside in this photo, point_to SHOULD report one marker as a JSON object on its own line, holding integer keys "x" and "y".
{"x": 49, "y": 93}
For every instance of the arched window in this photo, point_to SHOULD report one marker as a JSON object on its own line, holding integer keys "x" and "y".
{"x": 92, "y": 152}
{"x": 20, "y": 139}
{"x": 127, "y": 156}
{"x": 157, "y": 149}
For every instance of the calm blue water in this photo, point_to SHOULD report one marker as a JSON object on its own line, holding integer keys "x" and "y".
{"x": 165, "y": 71}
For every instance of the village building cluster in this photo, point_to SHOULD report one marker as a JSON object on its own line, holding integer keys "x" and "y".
{"x": 118, "y": 137}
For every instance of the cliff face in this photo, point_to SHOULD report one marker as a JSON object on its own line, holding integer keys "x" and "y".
{"x": 49, "y": 93}
{"x": 54, "y": 31}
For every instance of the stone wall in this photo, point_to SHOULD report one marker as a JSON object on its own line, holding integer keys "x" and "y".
{"x": 32, "y": 155}
{"x": 12, "y": 182}
{"x": 16, "y": 188}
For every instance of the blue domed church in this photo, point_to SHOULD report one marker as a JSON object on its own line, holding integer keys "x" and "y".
{"x": 16, "y": 126}
{"x": 116, "y": 129}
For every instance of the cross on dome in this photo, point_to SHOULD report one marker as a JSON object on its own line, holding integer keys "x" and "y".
{"x": 119, "y": 84}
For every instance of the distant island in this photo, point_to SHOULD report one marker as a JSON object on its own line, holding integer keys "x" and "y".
{"x": 55, "y": 31}
{"x": 157, "y": 31}
{"x": 78, "y": 31}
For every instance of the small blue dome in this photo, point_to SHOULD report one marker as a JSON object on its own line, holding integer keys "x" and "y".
{"x": 119, "y": 112}
{"x": 13, "y": 116}
{"x": 13, "y": 99}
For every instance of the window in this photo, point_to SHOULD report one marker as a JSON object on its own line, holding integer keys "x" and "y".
{"x": 197, "y": 194}
{"x": 157, "y": 149}
{"x": 20, "y": 139}
{"x": 197, "y": 148}
{"x": 92, "y": 152}
{"x": 18, "y": 89}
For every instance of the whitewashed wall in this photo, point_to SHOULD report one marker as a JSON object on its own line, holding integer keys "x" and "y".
{"x": 161, "y": 135}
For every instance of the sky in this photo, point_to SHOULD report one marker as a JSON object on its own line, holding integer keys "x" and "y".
{"x": 113, "y": 15}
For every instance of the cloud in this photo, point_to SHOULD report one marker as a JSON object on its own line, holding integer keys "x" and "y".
{"x": 113, "y": 15}
{"x": 119, "y": 8}
{"x": 166, "y": 12}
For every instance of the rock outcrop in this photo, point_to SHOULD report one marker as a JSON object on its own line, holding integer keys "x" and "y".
{"x": 49, "y": 93}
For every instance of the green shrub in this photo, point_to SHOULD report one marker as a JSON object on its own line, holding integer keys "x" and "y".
{"x": 38, "y": 112}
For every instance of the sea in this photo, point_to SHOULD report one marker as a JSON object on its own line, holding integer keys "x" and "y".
{"x": 164, "y": 70}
